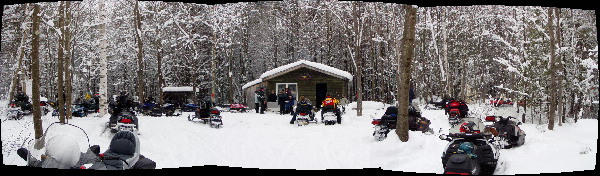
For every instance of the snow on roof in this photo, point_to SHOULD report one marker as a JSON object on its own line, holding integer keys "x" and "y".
{"x": 314, "y": 65}
{"x": 177, "y": 89}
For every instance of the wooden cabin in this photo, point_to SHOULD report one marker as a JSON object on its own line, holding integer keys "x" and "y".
{"x": 304, "y": 78}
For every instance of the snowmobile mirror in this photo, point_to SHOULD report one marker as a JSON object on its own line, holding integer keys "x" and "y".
{"x": 443, "y": 137}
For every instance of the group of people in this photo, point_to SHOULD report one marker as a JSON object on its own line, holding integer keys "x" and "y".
{"x": 286, "y": 101}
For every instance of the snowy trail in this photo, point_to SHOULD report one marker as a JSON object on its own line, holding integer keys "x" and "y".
{"x": 268, "y": 141}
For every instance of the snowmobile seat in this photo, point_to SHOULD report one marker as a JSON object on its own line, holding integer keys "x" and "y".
{"x": 391, "y": 110}
{"x": 388, "y": 120}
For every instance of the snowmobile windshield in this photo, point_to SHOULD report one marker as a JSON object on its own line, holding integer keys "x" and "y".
{"x": 477, "y": 127}
{"x": 61, "y": 145}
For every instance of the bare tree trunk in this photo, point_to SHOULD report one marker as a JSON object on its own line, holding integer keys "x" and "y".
{"x": 449, "y": 79}
{"x": 357, "y": 58}
{"x": 561, "y": 110}
{"x": 35, "y": 73}
{"x": 68, "y": 60}
{"x": 103, "y": 85}
{"x": 61, "y": 92}
{"x": 140, "y": 54}
{"x": 161, "y": 81}
{"x": 404, "y": 61}
{"x": 213, "y": 66}
{"x": 553, "y": 88}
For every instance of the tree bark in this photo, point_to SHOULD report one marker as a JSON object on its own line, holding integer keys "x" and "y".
{"x": 35, "y": 73}
{"x": 103, "y": 84}
{"x": 68, "y": 60}
{"x": 60, "y": 69}
{"x": 140, "y": 54}
{"x": 358, "y": 59}
{"x": 553, "y": 87}
{"x": 404, "y": 61}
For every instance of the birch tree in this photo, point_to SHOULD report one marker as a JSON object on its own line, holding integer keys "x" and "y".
{"x": 103, "y": 83}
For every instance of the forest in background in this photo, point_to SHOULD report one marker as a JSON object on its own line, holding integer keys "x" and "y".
{"x": 468, "y": 52}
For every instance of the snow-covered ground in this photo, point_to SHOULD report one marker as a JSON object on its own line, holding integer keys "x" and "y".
{"x": 268, "y": 141}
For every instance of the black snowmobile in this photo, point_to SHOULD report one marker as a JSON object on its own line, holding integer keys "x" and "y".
{"x": 508, "y": 130}
{"x": 388, "y": 122}
{"x": 19, "y": 107}
{"x": 304, "y": 115}
{"x": 469, "y": 151}
{"x": 123, "y": 121}
{"x": 169, "y": 109}
{"x": 208, "y": 115}
{"x": 14, "y": 112}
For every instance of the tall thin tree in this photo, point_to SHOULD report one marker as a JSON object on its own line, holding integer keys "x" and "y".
{"x": 35, "y": 73}
{"x": 404, "y": 62}
{"x": 552, "y": 71}
{"x": 103, "y": 84}
{"x": 140, "y": 54}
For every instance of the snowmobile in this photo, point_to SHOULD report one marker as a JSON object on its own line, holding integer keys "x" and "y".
{"x": 125, "y": 121}
{"x": 189, "y": 107}
{"x": 215, "y": 120}
{"x": 454, "y": 116}
{"x": 508, "y": 130}
{"x": 169, "y": 109}
{"x": 63, "y": 146}
{"x": 123, "y": 153}
{"x": 303, "y": 118}
{"x": 238, "y": 108}
{"x": 498, "y": 102}
{"x": 78, "y": 110}
{"x": 148, "y": 107}
{"x": 388, "y": 122}
{"x": 14, "y": 112}
{"x": 329, "y": 117}
{"x": 480, "y": 156}
{"x": 211, "y": 116}
{"x": 18, "y": 109}
{"x": 90, "y": 107}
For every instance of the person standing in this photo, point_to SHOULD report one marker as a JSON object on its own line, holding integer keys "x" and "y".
{"x": 272, "y": 96}
{"x": 289, "y": 105}
{"x": 256, "y": 104}
{"x": 262, "y": 100}
{"x": 281, "y": 98}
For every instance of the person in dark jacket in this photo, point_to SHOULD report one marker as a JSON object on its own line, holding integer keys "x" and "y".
{"x": 123, "y": 153}
{"x": 272, "y": 96}
{"x": 262, "y": 100}
{"x": 289, "y": 104}
{"x": 281, "y": 102}
{"x": 304, "y": 106}
{"x": 463, "y": 108}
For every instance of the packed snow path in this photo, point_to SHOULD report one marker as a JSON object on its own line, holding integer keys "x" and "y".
{"x": 268, "y": 141}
